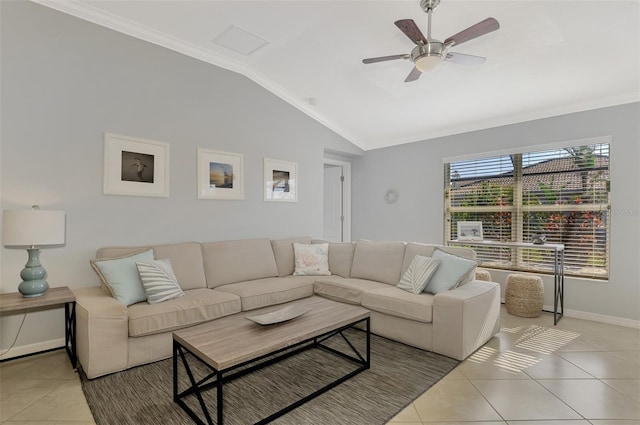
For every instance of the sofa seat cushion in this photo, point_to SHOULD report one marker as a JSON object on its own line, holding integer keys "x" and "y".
{"x": 270, "y": 291}
{"x": 345, "y": 290}
{"x": 196, "y": 306}
{"x": 396, "y": 302}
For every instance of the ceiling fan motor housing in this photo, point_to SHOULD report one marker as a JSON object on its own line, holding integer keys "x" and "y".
{"x": 428, "y": 56}
{"x": 429, "y": 4}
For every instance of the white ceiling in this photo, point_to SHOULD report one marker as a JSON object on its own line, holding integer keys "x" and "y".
{"x": 548, "y": 58}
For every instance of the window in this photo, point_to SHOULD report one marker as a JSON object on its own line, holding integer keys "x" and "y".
{"x": 561, "y": 193}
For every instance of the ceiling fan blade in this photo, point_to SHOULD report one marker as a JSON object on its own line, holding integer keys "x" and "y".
{"x": 385, "y": 58}
{"x": 474, "y": 31}
{"x": 411, "y": 30}
{"x": 413, "y": 75}
{"x": 463, "y": 59}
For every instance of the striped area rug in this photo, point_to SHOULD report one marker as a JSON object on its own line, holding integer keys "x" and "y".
{"x": 398, "y": 375}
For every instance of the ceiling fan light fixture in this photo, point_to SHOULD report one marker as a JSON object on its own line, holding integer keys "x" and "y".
{"x": 428, "y": 63}
{"x": 428, "y": 52}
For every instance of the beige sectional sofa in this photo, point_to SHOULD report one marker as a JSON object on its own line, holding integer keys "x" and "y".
{"x": 229, "y": 277}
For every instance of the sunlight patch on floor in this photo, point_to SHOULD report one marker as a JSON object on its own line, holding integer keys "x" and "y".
{"x": 535, "y": 338}
{"x": 509, "y": 361}
{"x": 515, "y": 362}
{"x": 482, "y": 355}
{"x": 544, "y": 340}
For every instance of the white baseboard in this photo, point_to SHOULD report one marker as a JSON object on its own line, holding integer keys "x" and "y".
{"x": 32, "y": 348}
{"x": 595, "y": 317}
{"x": 603, "y": 318}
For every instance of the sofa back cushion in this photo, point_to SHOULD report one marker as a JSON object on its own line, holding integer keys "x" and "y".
{"x": 185, "y": 257}
{"x": 426, "y": 250}
{"x": 238, "y": 261}
{"x": 341, "y": 258}
{"x": 283, "y": 252}
{"x": 379, "y": 261}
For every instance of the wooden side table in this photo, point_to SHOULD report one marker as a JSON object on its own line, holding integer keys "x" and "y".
{"x": 14, "y": 302}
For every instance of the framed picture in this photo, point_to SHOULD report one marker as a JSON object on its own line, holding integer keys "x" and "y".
{"x": 220, "y": 175}
{"x": 135, "y": 167}
{"x": 469, "y": 230}
{"x": 280, "y": 181}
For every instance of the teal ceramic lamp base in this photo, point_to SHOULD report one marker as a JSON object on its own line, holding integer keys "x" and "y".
{"x": 33, "y": 274}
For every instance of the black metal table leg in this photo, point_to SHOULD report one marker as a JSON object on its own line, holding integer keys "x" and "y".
{"x": 219, "y": 382}
{"x": 558, "y": 287}
{"x": 195, "y": 388}
{"x": 70, "y": 332}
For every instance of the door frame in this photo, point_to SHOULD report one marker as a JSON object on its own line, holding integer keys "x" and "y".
{"x": 346, "y": 195}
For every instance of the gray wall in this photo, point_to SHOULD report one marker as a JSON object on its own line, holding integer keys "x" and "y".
{"x": 416, "y": 171}
{"x": 66, "y": 81}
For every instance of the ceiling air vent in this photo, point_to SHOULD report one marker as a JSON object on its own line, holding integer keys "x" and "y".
{"x": 240, "y": 40}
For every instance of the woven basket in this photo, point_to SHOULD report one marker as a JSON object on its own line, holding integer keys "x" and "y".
{"x": 524, "y": 295}
{"x": 482, "y": 274}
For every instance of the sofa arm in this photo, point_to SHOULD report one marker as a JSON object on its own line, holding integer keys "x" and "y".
{"x": 465, "y": 318}
{"x": 102, "y": 331}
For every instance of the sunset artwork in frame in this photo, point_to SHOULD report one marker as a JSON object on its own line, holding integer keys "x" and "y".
{"x": 220, "y": 175}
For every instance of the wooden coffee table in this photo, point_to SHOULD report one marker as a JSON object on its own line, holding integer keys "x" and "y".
{"x": 231, "y": 342}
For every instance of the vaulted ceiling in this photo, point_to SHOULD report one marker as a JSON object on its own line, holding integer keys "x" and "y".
{"x": 547, "y": 58}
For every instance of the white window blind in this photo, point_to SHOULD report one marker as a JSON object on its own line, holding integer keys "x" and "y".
{"x": 561, "y": 193}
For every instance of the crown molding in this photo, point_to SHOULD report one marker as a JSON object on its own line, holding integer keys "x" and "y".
{"x": 513, "y": 119}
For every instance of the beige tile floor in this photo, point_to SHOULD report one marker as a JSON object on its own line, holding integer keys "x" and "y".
{"x": 43, "y": 389}
{"x": 533, "y": 373}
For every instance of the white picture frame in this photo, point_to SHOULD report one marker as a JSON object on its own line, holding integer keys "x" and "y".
{"x": 280, "y": 181}
{"x": 220, "y": 175}
{"x": 135, "y": 167}
{"x": 470, "y": 231}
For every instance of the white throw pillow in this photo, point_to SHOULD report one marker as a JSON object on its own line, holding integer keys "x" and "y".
{"x": 311, "y": 259}
{"x": 158, "y": 280}
{"x": 417, "y": 276}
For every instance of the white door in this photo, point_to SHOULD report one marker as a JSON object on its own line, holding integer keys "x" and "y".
{"x": 333, "y": 208}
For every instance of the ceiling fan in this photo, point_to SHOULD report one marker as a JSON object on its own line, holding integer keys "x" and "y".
{"x": 429, "y": 52}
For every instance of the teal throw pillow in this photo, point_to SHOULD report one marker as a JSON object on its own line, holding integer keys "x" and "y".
{"x": 417, "y": 276}
{"x": 452, "y": 271}
{"x": 121, "y": 276}
{"x": 158, "y": 280}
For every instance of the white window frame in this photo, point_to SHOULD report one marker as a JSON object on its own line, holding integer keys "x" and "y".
{"x": 518, "y": 208}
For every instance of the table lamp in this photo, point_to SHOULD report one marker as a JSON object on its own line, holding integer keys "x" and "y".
{"x": 33, "y": 228}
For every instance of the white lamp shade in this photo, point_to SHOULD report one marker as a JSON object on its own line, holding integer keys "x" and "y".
{"x": 33, "y": 227}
